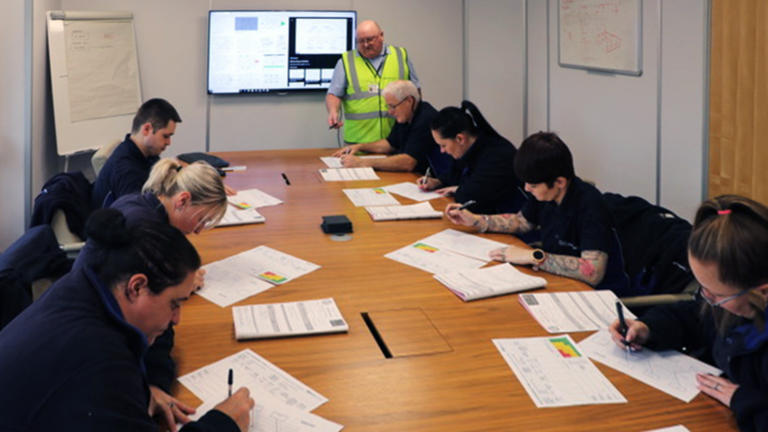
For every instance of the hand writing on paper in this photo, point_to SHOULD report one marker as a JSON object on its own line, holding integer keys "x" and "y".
{"x": 462, "y": 217}
{"x": 170, "y": 410}
{"x": 238, "y": 407}
{"x": 350, "y": 161}
{"x": 719, "y": 388}
{"x": 447, "y": 191}
{"x": 428, "y": 183}
{"x": 637, "y": 334}
{"x": 348, "y": 150}
{"x": 199, "y": 279}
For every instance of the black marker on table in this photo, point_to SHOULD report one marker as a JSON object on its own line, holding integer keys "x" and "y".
{"x": 230, "y": 379}
{"x": 285, "y": 177}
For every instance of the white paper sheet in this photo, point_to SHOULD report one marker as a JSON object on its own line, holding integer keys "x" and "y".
{"x": 348, "y": 174}
{"x": 251, "y": 370}
{"x": 370, "y": 197}
{"x": 491, "y": 281}
{"x": 678, "y": 428}
{"x": 669, "y": 371}
{"x": 288, "y": 319}
{"x": 464, "y": 244}
{"x": 565, "y": 312}
{"x": 555, "y": 373}
{"x": 431, "y": 259}
{"x": 335, "y": 162}
{"x": 422, "y": 210}
{"x": 411, "y": 191}
{"x": 269, "y": 415}
{"x": 238, "y": 216}
{"x": 248, "y": 198}
{"x": 248, "y": 273}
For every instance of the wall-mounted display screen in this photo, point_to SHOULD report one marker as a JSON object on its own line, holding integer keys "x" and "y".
{"x": 275, "y": 51}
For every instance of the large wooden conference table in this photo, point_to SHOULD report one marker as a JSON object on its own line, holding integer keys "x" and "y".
{"x": 445, "y": 374}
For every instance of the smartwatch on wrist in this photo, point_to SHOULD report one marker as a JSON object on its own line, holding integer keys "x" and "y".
{"x": 538, "y": 256}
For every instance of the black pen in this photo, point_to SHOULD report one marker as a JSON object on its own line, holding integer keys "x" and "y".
{"x": 285, "y": 177}
{"x": 467, "y": 204}
{"x": 622, "y": 324}
{"x": 230, "y": 379}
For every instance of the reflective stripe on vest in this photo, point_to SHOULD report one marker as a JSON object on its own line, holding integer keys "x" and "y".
{"x": 365, "y": 112}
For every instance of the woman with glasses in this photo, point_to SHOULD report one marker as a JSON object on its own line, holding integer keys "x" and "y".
{"x": 192, "y": 199}
{"x": 484, "y": 168}
{"x": 725, "y": 325}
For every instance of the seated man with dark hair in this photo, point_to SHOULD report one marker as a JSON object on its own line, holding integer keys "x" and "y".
{"x": 577, "y": 231}
{"x": 128, "y": 167}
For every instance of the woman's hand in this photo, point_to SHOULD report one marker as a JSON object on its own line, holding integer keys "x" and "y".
{"x": 637, "y": 334}
{"x": 719, "y": 388}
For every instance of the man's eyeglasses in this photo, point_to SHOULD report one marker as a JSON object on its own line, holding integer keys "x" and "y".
{"x": 708, "y": 296}
{"x": 392, "y": 107}
{"x": 367, "y": 40}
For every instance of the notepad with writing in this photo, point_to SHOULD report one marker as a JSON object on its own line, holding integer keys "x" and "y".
{"x": 238, "y": 216}
{"x": 422, "y": 210}
{"x": 288, "y": 319}
{"x": 473, "y": 284}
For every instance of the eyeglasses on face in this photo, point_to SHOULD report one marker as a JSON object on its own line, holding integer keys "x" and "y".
{"x": 711, "y": 299}
{"x": 392, "y": 107}
{"x": 367, "y": 40}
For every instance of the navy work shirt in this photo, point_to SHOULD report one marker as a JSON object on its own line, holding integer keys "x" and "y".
{"x": 125, "y": 172}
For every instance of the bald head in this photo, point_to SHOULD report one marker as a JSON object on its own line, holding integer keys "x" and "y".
{"x": 369, "y": 38}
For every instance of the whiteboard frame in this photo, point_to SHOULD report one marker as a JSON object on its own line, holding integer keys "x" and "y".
{"x": 86, "y": 135}
{"x": 638, "y": 47}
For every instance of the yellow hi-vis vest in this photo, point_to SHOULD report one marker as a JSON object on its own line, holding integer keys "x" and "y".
{"x": 365, "y": 112}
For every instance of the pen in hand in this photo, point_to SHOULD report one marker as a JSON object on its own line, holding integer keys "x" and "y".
{"x": 230, "y": 379}
{"x": 467, "y": 204}
{"x": 426, "y": 176}
{"x": 622, "y": 324}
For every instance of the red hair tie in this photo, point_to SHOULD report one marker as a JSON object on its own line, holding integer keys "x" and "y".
{"x": 724, "y": 212}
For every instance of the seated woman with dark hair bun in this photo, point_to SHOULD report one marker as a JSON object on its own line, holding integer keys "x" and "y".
{"x": 74, "y": 359}
{"x": 484, "y": 168}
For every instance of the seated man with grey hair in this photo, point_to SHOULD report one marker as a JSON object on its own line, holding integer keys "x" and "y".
{"x": 410, "y": 142}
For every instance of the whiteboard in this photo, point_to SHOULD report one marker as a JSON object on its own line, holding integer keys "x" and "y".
{"x": 601, "y": 34}
{"x": 94, "y": 77}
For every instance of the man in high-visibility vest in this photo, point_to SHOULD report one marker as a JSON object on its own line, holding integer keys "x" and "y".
{"x": 358, "y": 80}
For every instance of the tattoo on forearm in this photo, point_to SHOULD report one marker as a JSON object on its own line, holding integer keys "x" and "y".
{"x": 589, "y": 267}
{"x": 509, "y": 223}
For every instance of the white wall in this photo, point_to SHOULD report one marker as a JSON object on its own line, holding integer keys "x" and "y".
{"x": 617, "y": 125}
{"x": 495, "y": 63}
{"x": 14, "y": 123}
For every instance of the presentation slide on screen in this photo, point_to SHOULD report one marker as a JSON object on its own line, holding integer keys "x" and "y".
{"x": 261, "y": 51}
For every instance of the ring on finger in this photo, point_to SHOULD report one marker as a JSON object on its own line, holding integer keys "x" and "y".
{"x": 717, "y": 387}
{"x": 170, "y": 404}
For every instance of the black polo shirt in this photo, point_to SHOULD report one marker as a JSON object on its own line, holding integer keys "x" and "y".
{"x": 485, "y": 173}
{"x": 415, "y": 138}
{"x": 581, "y": 222}
{"x": 125, "y": 172}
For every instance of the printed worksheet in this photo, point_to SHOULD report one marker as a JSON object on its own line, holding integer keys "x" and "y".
{"x": 566, "y": 312}
{"x": 210, "y": 383}
{"x": 362, "y": 197}
{"x": 432, "y": 259}
{"x": 348, "y": 174}
{"x": 255, "y": 198}
{"x": 465, "y": 244}
{"x": 269, "y": 415}
{"x": 669, "y": 371}
{"x": 335, "y": 162}
{"x": 240, "y": 216}
{"x": 411, "y": 191}
{"x": 423, "y": 210}
{"x": 248, "y": 273}
{"x": 555, "y": 373}
{"x": 491, "y": 281}
{"x": 288, "y": 319}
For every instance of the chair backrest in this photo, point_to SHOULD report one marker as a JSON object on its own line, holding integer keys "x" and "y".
{"x": 102, "y": 154}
